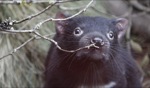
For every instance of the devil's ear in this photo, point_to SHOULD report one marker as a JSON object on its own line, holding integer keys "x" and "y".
{"x": 121, "y": 25}
{"x": 60, "y": 24}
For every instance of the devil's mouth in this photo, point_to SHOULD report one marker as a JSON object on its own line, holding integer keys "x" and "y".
{"x": 92, "y": 49}
{"x": 90, "y": 52}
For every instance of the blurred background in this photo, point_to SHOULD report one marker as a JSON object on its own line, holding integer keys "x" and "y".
{"x": 24, "y": 69}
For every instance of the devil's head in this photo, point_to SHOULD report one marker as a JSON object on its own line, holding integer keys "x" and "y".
{"x": 79, "y": 32}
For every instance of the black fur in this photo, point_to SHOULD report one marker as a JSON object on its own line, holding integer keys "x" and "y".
{"x": 88, "y": 67}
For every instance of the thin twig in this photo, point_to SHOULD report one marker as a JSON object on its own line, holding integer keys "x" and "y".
{"x": 81, "y": 11}
{"x": 29, "y": 40}
{"x": 32, "y": 1}
{"x": 21, "y": 1}
{"x": 16, "y": 49}
{"x": 70, "y": 51}
{"x": 34, "y": 30}
{"x": 50, "y": 19}
{"x": 37, "y": 14}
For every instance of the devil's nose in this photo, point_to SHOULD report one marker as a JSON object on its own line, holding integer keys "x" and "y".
{"x": 97, "y": 41}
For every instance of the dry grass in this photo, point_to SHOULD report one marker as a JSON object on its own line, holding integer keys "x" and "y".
{"x": 24, "y": 68}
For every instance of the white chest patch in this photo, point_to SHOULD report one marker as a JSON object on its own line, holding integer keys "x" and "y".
{"x": 109, "y": 85}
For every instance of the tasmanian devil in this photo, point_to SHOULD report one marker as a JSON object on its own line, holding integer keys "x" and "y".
{"x": 106, "y": 64}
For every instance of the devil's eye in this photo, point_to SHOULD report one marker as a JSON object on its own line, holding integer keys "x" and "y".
{"x": 78, "y": 31}
{"x": 110, "y": 35}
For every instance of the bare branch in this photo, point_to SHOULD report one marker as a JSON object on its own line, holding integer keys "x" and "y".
{"x": 38, "y": 35}
{"x": 31, "y": 1}
{"x": 47, "y": 20}
{"x": 37, "y": 14}
{"x": 81, "y": 11}
{"x": 21, "y": 1}
{"x": 70, "y": 51}
{"x": 22, "y": 45}
{"x": 14, "y": 50}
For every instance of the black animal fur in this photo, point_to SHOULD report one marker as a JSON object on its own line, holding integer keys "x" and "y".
{"x": 88, "y": 67}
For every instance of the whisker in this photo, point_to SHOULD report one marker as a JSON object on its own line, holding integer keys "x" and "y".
{"x": 117, "y": 64}
{"x": 126, "y": 59}
{"x": 71, "y": 60}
